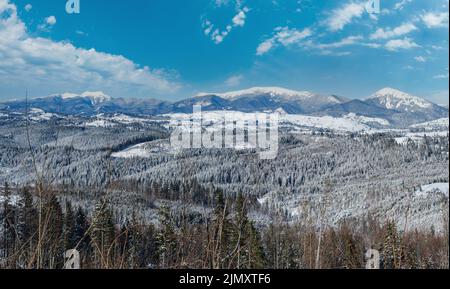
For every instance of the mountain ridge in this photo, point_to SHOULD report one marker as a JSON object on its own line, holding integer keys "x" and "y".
{"x": 397, "y": 107}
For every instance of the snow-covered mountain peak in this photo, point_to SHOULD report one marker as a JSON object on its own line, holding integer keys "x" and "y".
{"x": 96, "y": 96}
{"x": 272, "y": 91}
{"x": 391, "y": 98}
{"x": 68, "y": 95}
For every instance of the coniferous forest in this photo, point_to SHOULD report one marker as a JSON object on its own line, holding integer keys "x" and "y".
{"x": 323, "y": 203}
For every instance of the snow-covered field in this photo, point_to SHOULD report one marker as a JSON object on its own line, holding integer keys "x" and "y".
{"x": 439, "y": 124}
{"x": 137, "y": 151}
{"x": 349, "y": 123}
{"x": 145, "y": 150}
{"x": 425, "y": 190}
{"x": 100, "y": 123}
{"x": 418, "y": 136}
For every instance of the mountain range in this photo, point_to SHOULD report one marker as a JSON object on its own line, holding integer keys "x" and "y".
{"x": 399, "y": 108}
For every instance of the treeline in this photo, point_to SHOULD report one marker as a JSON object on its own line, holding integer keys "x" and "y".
{"x": 36, "y": 230}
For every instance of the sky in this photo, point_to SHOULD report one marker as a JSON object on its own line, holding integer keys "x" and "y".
{"x": 170, "y": 50}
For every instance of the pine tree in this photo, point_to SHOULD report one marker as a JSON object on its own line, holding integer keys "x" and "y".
{"x": 81, "y": 236}
{"x": 391, "y": 247}
{"x": 8, "y": 219}
{"x": 27, "y": 226}
{"x": 103, "y": 235}
{"x": 53, "y": 233}
{"x": 70, "y": 241}
{"x": 166, "y": 238}
{"x": 221, "y": 246}
{"x": 256, "y": 257}
{"x": 241, "y": 233}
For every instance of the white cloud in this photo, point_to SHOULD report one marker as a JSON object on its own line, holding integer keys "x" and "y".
{"x": 28, "y": 7}
{"x": 400, "y": 5}
{"x": 61, "y": 66}
{"x": 220, "y": 3}
{"x": 218, "y": 35}
{"x": 239, "y": 19}
{"x": 403, "y": 29}
{"x": 435, "y": 20}
{"x": 283, "y": 36}
{"x": 234, "y": 80}
{"x": 420, "y": 59}
{"x": 51, "y": 20}
{"x": 441, "y": 76}
{"x": 340, "y": 17}
{"x": 398, "y": 44}
{"x": 265, "y": 47}
{"x": 351, "y": 40}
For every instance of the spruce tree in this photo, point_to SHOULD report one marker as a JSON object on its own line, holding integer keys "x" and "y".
{"x": 53, "y": 233}
{"x": 221, "y": 233}
{"x": 391, "y": 247}
{"x": 27, "y": 226}
{"x": 166, "y": 238}
{"x": 8, "y": 219}
{"x": 103, "y": 234}
{"x": 70, "y": 241}
{"x": 81, "y": 236}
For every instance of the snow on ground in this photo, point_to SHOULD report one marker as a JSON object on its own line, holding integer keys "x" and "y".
{"x": 14, "y": 200}
{"x": 136, "y": 151}
{"x": 145, "y": 150}
{"x": 37, "y": 114}
{"x": 288, "y": 120}
{"x": 419, "y": 136}
{"x": 424, "y": 191}
{"x": 325, "y": 122}
{"x": 366, "y": 120}
{"x": 273, "y": 91}
{"x": 100, "y": 123}
{"x": 438, "y": 124}
{"x": 125, "y": 119}
{"x": 396, "y": 99}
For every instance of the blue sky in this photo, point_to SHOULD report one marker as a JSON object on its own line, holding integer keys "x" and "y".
{"x": 175, "y": 49}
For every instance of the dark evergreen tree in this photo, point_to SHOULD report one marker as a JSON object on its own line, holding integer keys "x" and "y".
{"x": 103, "y": 235}
{"x": 8, "y": 219}
{"x": 70, "y": 240}
{"x": 27, "y": 226}
{"x": 167, "y": 238}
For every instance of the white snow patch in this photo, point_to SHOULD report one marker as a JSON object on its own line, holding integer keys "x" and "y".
{"x": 36, "y": 114}
{"x": 137, "y": 151}
{"x": 286, "y": 120}
{"x": 100, "y": 123}
{"x": 431, "y": 188}
{"x": 438, "y": 124}
{"x": 366, "y": 120}
{"x": 14, "y": 200}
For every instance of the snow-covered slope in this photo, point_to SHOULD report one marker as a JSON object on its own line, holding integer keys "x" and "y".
{"x": 96, "y": 97}
{"x": 438, "y": 124}
{"x": 290, "y": 121}
{"x": 284, "y": 93}
{"x": 387, "y": 107}
{"x": 263, "y": 99}
{"x": 408, "y": 109}
{"x": 425, "y": 190}
{"x": 391, "y": 98}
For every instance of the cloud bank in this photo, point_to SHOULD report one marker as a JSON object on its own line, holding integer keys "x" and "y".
{"x": 29, "y": 62}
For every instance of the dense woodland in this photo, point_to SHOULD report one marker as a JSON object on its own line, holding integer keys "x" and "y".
{"x": 325, "y": 201}
{"x": 38, "y": 229}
